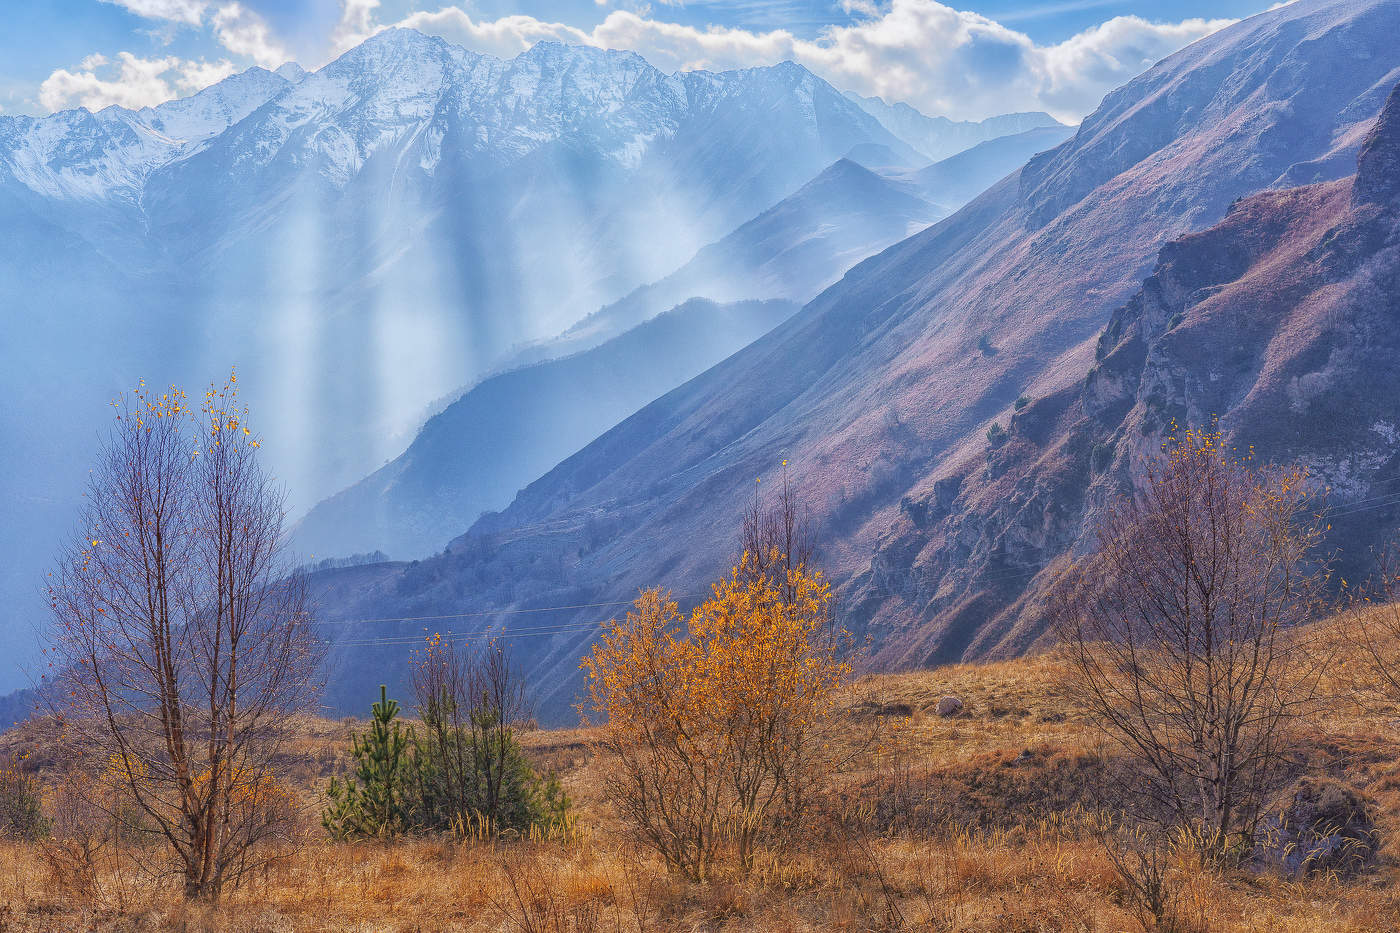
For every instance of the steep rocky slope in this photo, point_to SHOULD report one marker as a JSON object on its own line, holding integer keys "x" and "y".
{"x": 881, "y": 390}
{"x": 1280, "y": 321}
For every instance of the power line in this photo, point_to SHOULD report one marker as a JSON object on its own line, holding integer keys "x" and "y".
{"x": 1385, "y": 501}
{"x": 480, "y": 612}
{"x": 391, "y": 640}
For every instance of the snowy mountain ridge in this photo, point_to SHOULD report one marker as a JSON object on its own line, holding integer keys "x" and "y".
{"x": 398, "y": 84}
{"x": 79, "y": 155}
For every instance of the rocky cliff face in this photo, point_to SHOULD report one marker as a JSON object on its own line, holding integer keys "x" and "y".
{"x": 1280, "y": 321}
{"x": 1378, "y": 165}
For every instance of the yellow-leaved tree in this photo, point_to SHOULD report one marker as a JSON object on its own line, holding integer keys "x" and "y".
{"x": 713, "y": 737}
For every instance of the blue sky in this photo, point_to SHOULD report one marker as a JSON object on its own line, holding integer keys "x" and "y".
{"x": 964, "y": 59}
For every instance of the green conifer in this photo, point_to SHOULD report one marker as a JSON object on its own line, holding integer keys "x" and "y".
{"x": 373, "y": 802}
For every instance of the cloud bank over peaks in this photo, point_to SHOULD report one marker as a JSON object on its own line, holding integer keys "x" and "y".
{"x": 134, "y": 81}
{"x": 130, "y": 81}
{"x": 939, "y": 59}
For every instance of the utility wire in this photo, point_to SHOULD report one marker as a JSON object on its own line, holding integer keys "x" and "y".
{"x": 480, "y": 612}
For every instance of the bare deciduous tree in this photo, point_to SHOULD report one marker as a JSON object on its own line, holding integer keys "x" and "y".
{"x": 1178, "y": 636}
{"x": 777, "y": 535}
{"x": 182, "y": 640}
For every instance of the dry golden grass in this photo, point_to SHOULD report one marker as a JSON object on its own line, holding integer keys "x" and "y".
{"x": 967, "y": 833}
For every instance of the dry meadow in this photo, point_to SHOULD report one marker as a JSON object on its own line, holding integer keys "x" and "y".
{"x": 952, "y": 823}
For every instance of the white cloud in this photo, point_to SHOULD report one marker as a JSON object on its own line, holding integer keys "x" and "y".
{"x": 243, "y": 32}
{"x": 189, "y": 12}
{"x": 863, "y": 7}
{"x": 193, "y": 77}
{"x": 140, "y": 82}
{"x": 505, "y": 37}
{"x": 356, "y": 24}
{"x": 939, "y": 59}
{"x": 136, "y": 83}
{"x": 1080, "y": 70}
{"x": 237, "y": 28}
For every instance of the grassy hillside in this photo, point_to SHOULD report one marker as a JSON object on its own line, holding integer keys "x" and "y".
{"x": 967, "y": 822}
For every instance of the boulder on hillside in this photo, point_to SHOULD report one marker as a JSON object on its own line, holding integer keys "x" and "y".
{"x": 1322, "y": 826}
{"x": 949, "y": 706}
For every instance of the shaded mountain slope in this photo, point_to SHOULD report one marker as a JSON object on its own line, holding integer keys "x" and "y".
{"x": 939, "y": 137}
{"x": 509, "y": 429}
{"x": 960, "y": 178}
{"x": 882, "y": 388}
{"x": 791, "y": 251}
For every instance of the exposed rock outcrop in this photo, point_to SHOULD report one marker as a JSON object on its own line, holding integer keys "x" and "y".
{"x": 1321, "y": 827}
{"x": 1378, "y": 165}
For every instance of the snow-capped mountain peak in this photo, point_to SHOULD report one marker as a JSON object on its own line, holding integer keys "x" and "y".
{"x": 401, "y": 88}
{"x": 216, "y": 108}
{"x": 290, "y": 72}
{"x": 82, "y": 156}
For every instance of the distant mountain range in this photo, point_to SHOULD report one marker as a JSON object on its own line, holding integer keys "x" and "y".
{"x": 366, "y": 239}
{"x": 937, "y": 138}
{"x": 793, "y": 250}
{"x": 959, "y": 178}
{"x": 452, "y": 472}
{"x": 881, "y": 391}
{"x": 410, "y": 204}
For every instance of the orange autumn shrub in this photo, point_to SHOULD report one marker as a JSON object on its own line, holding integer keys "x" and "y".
{"x": 714, "y": 737}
